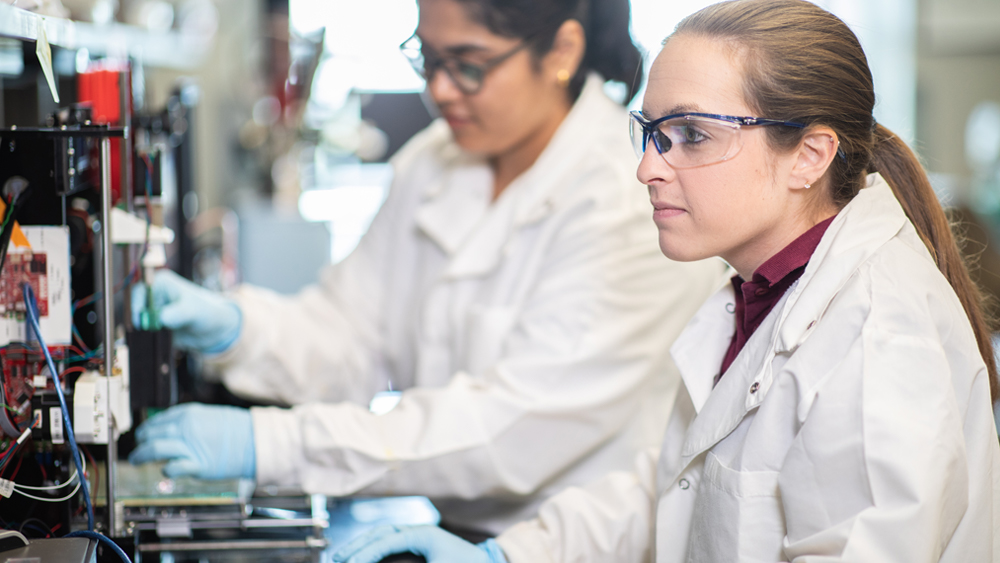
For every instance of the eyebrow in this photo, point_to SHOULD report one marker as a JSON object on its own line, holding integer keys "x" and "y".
{"x": 679, "y": 108}
{"x": 455, "y": 50}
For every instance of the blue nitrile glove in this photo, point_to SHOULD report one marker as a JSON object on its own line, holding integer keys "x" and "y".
{"x": 204, "y": 441}
{"x": 435, "y": 544}
{"x": 201, "y": 319}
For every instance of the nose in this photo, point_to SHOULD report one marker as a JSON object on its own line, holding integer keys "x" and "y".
{"x": 653, "y": 168}
{"x": 441, "y": 87}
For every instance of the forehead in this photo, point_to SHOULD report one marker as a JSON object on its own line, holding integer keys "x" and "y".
{"x": 446, "y": 25}
{"x": 695, "y": 73}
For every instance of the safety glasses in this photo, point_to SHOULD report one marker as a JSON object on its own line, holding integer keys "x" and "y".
{"x": 689, "y": 140}
{"x": 467, "y": 77}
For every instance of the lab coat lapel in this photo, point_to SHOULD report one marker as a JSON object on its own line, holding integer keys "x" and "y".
{"x": 454, "y": 206}
{"x": 699, "y": 350}
{"x": 741, "y": 389}
{"x": 530, "y": 198}
{"x": 870, "y": 220}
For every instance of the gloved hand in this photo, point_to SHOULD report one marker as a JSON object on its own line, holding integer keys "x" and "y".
{"x": 435, "y": 544}
{"x": 201, "y": 319}
{"x": 204, "y": 441}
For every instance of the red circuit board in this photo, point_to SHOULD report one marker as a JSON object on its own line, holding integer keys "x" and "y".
{"x": 20, "y": 365}
{"x": 19, "y": 268}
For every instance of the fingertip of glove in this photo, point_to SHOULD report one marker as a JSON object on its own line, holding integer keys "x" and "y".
{"x": 141, "y": 455}
{"x": 182, "y": 468}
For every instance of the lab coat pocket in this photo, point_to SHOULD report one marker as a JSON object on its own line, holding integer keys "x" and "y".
{"x": 487, "y": 329}
{"x": 737, "y": 517}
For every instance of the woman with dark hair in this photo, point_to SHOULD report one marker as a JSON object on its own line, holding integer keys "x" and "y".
{"x": 836, "y": 395}
{"x": 510, "y": 285}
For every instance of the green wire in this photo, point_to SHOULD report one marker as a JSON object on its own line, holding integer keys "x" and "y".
{"x": 10, "y": 212}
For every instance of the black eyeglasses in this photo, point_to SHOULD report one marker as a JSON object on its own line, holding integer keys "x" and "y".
{"x": 467, "y": 77}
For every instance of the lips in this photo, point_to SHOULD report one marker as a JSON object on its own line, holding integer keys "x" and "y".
{"x": 456, "y": 120}
{"x": 666, "y": 211}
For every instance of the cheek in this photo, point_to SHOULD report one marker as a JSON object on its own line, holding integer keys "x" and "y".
{"x": 506, "y": 112}
{"x": 719, "y": 206}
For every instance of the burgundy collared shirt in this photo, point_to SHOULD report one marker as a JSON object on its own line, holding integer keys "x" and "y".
{"x": 756, "y": 298}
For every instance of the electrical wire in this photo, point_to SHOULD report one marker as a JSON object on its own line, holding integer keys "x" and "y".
{"x": 13, "y": 447}
{"x": 63, "y": 485}
{"x": 41, "y": 526}
{"x": 29, "y": 303}
{"x": 93, "y": 464}
{"x": 101, "y": 538}
{"x": 44, "y": 499}
{"x": 10, "y": 213}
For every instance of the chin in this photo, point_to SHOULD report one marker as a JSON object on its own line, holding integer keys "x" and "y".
{"x": 674, "y": 248}
{"x": 472, "y": 145}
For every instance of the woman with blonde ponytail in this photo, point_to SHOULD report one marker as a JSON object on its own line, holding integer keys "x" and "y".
{"x": 836, "y": 398}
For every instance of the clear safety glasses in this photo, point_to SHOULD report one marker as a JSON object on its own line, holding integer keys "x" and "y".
{"x": 689, "y": 140}
{"x": 466, "y": 76}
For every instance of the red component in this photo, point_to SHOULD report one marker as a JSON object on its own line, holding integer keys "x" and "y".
{"x": 100, "y": 86}
{"x": 20, "y": 365}
{"x": 17, "y": 269}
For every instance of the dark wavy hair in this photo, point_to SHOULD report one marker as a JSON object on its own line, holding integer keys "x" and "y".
{"x": 610, "y": 50}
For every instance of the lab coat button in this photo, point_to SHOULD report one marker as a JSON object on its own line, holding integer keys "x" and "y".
{"x": 754, "y": 387}
{"x": 684, "y": 484}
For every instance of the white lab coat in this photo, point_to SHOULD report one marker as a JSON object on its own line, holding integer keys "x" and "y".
{"x": 532, "y": 333}
{"x": 855, "y": 425}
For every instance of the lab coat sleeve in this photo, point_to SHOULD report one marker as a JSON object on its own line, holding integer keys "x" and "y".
{"x": 609, "y": 520}
{"x": 589, "y": 346}
{"x": 880, "y": 470}
{"x": 331, "y": 328}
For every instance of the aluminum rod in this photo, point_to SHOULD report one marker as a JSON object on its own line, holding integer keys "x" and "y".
{"x": 109, "y": 328}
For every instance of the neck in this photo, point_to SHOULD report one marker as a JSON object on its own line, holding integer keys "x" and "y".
{"x": 759, "y": 251}
{"x": 510, "y": 164}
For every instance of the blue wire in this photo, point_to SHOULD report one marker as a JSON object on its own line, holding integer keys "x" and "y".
{"x": 101, "y": 538}
{"x": 29, "y": 303}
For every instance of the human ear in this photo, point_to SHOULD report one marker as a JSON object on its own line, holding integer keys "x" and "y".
{"x": 813, "y": 156}
{"x": 567, "y": 50}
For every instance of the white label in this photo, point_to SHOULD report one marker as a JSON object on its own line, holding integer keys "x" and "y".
{"x": 44, "y": 54}
{"x": 39, "y": 381}
{"x": 6, "y": 488}
{"x": 56, "y": 424}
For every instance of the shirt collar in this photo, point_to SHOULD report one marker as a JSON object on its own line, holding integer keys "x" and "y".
{"x": 792, "y": 257}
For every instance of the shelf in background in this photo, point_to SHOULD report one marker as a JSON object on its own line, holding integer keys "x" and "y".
{"x": 167, "y": 50}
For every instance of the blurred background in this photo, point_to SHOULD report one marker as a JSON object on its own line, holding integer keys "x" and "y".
{"x": 273, "y": 119}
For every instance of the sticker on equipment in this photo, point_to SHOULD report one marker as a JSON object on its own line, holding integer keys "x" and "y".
{"x": 56, "y": 424}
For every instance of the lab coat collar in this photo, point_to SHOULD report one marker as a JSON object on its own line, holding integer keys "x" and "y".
{"x": 456, "y": 204}
{"x": 870, "y": 220}
{"x": 459, "y": 215}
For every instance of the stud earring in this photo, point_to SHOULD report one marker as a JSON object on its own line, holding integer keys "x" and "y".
{"x": 562, "y": 77}
{"x": 808, "y": 185}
